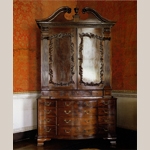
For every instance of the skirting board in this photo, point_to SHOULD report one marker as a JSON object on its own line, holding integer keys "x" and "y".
{"x": 24, "y": 112}
{"x": 126, "y": 109}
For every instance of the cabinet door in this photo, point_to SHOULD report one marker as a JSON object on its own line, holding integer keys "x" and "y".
{"x": 90, "y": 58}
{"x": 62, "y": 58}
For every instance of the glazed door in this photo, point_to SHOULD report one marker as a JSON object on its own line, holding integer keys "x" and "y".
{"x": 62, "y": 52}
{"x": 62, "y": 58}
{"x": 90, "y": 58}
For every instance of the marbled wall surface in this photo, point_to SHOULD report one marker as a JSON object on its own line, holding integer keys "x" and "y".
{"x": 26, "y": 43}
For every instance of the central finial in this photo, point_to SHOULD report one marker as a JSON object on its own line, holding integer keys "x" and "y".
{"x": 76, "y": 10}
{"x": 76, "y": 15}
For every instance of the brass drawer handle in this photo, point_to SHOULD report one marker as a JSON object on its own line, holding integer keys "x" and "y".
{"x": 67, "y": 131}
{"x": 47, "y": 120}
{"x": 105, "y": 120}
{"x": 48, "y": 130}
{"x": 105, "y": 103}
{"x": 87, "y": 104}
{"x": 67, "y": 112}
{"x": 87, "y": 121}
{"x": 77, "y": 129}
{"x": 47, "y": 111}
{"x": 105, "y": 129}
{"x": 86, "y": 130}
{"x": 67, "y": 104}
{"x": 87, "y": 112}
{"x": 67, "y": 121}
{"x": 47, "y": 103}
{"x": 106, "y": 112}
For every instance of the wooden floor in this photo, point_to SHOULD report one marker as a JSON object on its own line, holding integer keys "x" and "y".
{"x": 126, "y": 140}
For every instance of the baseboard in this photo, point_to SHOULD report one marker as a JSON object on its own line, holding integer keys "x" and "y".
{"x": 32, "y": 134}
{"x": 25, "y": 112}
{"x": 126, "y": 133}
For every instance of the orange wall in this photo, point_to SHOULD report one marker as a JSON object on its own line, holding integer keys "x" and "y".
{"x": 26, "y": 43}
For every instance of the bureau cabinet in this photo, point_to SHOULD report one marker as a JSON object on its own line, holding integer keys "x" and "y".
{"x": 76, "y": 100}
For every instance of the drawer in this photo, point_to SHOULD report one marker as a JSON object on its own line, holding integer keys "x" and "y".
{"x": 48, "y": 111}
{"x": 97, "y": 93}
{"x": 106, "y": 111}
{"x": 105, "y": 129}
{"x": 76, "y": 104}
{"x": 69, "y": 93}
{"x": 67, "y": 104}
{"x": 77, "y": 131}
{"x": 106, "y": 103}
{"x": 77, "y": 112}
{"x": 106, "y": 119}
{"x": 47, "y": 120}
{"x": 86, "y": 103}
{"x": 69, "y": 121}
{"x": 46, "y": 102}
{"x": 46, "y": 130}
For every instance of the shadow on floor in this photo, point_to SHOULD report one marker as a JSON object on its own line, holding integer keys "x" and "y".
{"x": 126, "y": 140}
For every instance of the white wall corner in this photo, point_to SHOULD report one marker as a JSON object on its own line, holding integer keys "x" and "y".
{"x": 25, "y": 111}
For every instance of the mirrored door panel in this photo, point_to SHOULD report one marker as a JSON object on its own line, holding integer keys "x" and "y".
{"x": 90, "y": 58}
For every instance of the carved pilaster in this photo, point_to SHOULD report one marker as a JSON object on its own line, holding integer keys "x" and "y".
{"x": 106, "y": 33}
{"x": 107, "y": 61}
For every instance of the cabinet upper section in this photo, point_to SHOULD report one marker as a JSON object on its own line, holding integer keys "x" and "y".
{"x": 75, "y": 54}
{"x": 57, "y": 19}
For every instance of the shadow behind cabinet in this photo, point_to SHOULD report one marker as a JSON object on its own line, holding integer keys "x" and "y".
{"x": 76, "y": 101}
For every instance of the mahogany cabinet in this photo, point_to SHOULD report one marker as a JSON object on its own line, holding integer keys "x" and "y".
{"x": 76, "y": 100}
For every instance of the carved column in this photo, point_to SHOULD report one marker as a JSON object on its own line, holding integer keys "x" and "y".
{"x": 107, "y": 62}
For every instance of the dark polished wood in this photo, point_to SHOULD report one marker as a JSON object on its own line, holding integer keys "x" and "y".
{"x": 76, "y": 100}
